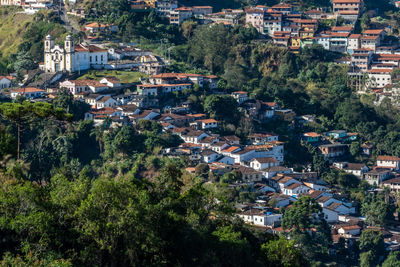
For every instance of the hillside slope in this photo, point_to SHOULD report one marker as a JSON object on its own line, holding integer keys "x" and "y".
{"x": 13, "y": 26}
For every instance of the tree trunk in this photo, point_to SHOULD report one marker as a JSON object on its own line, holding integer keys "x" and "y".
{"x": 19, "y": 141}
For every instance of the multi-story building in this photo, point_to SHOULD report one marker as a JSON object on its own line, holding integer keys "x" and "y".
{"x": 163, "y": 8}
{"x": 379, "y": 78}
{"x": 255, "y": 17}
{"x": 372, "y": 38}
{"x": 361, "y": 58}
{"x": 354, "y": 43}
{"x": 338, "y": 42}
{"x": 348, "y": 9}
{"x": 179, "y": 15}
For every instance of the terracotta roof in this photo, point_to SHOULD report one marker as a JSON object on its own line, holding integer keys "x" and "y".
{"x": 350, "y": 227}
{"x": 262, "y": 135}
{"x": 94, "y": 25}
{"x": 380, "y": 71}
{"x": 183, "y": 9}
{"x": 373, "y": 32}
{"x": 196, "y": 115}
{"x": 312, "y": 134}
{"x": 387, "y": 158}
{"x": 354, "y": 166}
{"x": 354, "y": 36}
{"x": 27, "y": 90}
{"x": 6, "y": 77}
{"x": 202, "y": 7}
{"x": 315, "y": 194}
{"x": 175, "y": 75}
{"x": 392, "y": 181}
{"x": 348, "y": 12}
{"x": 208, "y": 121}
{"x": 346, "y": 1}
{"x": 370, "y": 37}
{"x": 293, "y": 186}
{"x": 93, "y": 48}
{"x": 286, "y": 179}
{"x": 339, "y": 34}
{"x": 334, "y": 205}
{"x": 231, "y": 149}
{"x": 323, "y": 199}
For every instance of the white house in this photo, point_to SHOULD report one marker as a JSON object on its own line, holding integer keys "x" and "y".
{"x": 357, "y": 169}
{"x": 194, "y": 137}
{"x": 341, "y": 208}
{"x": 240, "y": 96}
{"x": 282, "y": 182}
{"x": 263, "y": 163}
{"x": 260, "y": 217}
{"x": 379, "y": 78}
{"x": 272, "y": 171}
{"x": 376, "y": 176}
{"x": 28, "y": 92}
{"x": 208, "y": 124}
{"x": 209, "y": 156}
{"x": 330, "y": 216}
{"x": 295, "y": 190}
{"x": 105, "y": 101}
{"x": 5, "y": 82}
{"x": 243, "y": 155}
{"x": 111, "y": 82}
{"x": 227, "y": 160}
{"x": 349, "y": 230}
{"x": 390, "y": 162}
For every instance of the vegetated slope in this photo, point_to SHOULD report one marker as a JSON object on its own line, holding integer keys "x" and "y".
{"x": 13, "y": 25}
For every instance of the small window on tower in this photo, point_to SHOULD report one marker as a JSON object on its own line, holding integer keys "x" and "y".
{"x": 67, "y": 44}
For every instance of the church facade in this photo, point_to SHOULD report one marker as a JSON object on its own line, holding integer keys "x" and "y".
{"x": 71, "y": 57}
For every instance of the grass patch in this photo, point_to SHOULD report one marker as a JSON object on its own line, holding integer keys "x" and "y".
{"x": 123, "y": 76}
{"x": 13, "y": 25}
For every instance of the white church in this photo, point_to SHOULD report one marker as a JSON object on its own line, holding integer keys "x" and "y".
{"x": 72, "y": 58}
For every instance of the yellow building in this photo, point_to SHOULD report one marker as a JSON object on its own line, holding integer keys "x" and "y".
{"x": 151, "y": 3}
{"x": 295, "y": 42}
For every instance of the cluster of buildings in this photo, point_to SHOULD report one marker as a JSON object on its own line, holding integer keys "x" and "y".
{"x": 29, "y": 6}
{"x": 372, "y": 57}
{"x": 176, "y": 14}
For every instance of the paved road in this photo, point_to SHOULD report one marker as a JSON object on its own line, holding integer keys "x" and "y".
{"x": 64, "y": 17}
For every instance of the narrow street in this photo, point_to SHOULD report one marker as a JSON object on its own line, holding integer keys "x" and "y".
{"x": 64, "y": 17}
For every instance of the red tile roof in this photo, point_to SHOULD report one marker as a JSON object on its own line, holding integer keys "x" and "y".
{"x": 388, "y": 158}
{"x": 27, "y": 90}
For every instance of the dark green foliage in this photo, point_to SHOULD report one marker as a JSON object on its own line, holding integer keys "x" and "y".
{"x": 65, "y": 100}
{"x": 376, "y": 210}
{"x": 307, "y": 227}
{"x": 392, "y": 260}
{"x": 222, "y": 108}
{"x": 372, "y": 247}
{"x": 122, "y": 221}
{"x": 281, "y": 252}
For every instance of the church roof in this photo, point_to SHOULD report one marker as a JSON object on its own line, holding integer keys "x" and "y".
{"x": 89, "y": 48}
